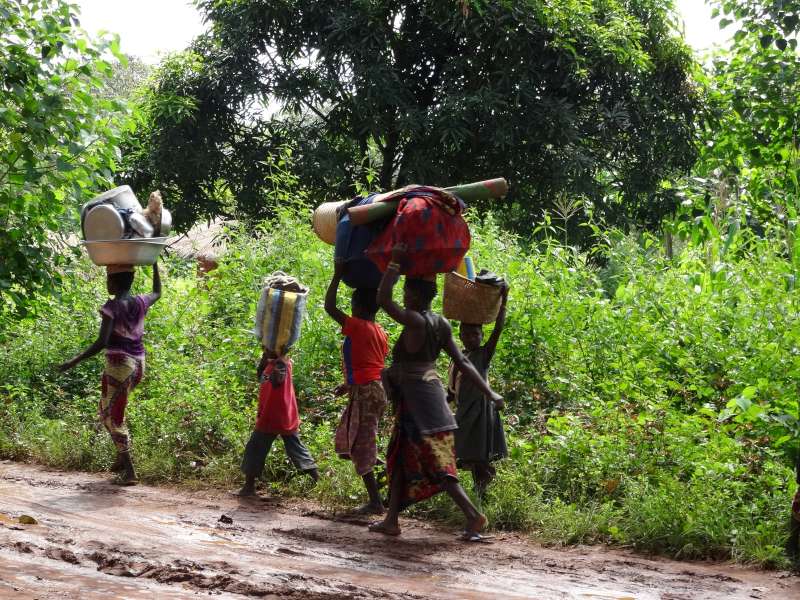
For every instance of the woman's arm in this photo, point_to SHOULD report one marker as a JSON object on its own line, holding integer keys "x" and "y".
{"x": 154, "y": 296}
{"x": 106, "y": 327}
{"x": 330, "y": 296}
{"x": 410, "y": 318}
{"x": 499, "y": 323}
{"x": 462, "y": 364}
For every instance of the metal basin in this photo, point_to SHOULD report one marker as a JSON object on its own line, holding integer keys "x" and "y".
{"x": 125, "y": 252}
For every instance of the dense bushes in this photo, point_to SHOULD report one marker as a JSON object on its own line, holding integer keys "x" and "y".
{"x": 650, "y": 403}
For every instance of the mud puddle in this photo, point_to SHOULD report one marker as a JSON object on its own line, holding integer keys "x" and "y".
{"x": 94, "y": 540}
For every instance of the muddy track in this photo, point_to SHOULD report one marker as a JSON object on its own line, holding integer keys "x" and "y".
{"x": 93, "y": 540}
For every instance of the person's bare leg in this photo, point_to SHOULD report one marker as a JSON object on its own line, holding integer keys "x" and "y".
{"x": 249, "y": 487}
{"x": 793, "y": 545}
{"x": 375, "y": 505}
{"x": 475, "y": 520}
{"x": 390, "y": 525}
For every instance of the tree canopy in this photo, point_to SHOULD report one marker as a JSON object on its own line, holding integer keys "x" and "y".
{"x": 58, "y": 136}
{"x": 593, "y": 99}
{"x": 750, "y": 145}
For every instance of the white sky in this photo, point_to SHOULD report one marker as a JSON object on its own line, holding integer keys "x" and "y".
{"x": 701, "y": 32}
{"x": 146, "y": 28}
{"x": 149, "y": 28}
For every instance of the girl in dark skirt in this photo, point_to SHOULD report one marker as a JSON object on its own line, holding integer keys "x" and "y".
{"x": 480, "y": 439}
{"x": 421, "y": 457}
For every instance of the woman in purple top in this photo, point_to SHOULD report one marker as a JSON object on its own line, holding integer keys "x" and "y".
{"x": 120, "y": 335}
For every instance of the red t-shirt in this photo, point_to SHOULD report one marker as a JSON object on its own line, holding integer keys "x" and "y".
{"x": 364, "y": 350}
{"x": 277, "y": 405}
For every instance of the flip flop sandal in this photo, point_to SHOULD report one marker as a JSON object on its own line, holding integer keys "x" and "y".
{"x": 475, "y": 537}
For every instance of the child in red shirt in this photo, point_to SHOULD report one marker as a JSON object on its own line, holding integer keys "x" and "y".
{"x": 363, "y": 355}
{"x": 277, "y": 416}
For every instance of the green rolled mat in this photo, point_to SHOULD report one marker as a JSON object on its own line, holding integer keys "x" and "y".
{"x": 480, "y": 190}
{"x": 469, "y": 192}
{"x": 367, "y": 213}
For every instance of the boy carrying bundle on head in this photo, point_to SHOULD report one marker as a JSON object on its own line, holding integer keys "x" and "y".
{"x": 363, "y": 355}
{"x": 121, "y": 332}
{"x": 277, "y": 404}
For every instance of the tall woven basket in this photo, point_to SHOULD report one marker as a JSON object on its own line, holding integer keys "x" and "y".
{"x": 326, "y": 216}
{"x": 470, "y": 301}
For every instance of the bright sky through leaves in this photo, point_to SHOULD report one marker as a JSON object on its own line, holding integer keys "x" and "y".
{"x": 149, "y": 28}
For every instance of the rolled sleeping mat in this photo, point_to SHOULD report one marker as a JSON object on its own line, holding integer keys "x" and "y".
{"x": 470, "y": 192}
{"x": 368, "y": 213}
{"x": 480, "y": 190}
{"x": 324, "y": 221}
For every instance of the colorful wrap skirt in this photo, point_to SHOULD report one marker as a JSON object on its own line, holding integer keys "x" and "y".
{"x": 121, "y": 375}
{"x": 425, "y": 461}
{"x": 357, "y": 432}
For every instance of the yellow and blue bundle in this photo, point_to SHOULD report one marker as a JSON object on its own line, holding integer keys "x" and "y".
{"x": 280, "y": 312}
{"x": 466, "y": 268}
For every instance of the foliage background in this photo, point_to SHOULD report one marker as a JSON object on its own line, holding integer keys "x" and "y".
{"x": 649, "y": 403}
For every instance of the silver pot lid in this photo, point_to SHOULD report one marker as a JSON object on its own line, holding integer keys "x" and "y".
{"x": 103, "y": 223}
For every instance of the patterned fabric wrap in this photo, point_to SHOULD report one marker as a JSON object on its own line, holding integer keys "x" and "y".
{"x": 429, "y": 222}
{"x": 279, "y": 318}
{"x": 425, "y": 460}
{"x": 121, "y": 375}
{"x": 357, "y": 432}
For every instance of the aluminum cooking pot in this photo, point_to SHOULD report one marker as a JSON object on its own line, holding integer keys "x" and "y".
{"x": 122, "y": 197}
{"x": 103, "y": 222}
{"x": 140, "y": 225}
{"x": 166, "y": 222}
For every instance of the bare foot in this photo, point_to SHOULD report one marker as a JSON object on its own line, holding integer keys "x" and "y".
{"x": 247, "y": 491}
{"x": 382, "y": 527}
{"x": 476, "y": 525}
{"x": 118, "y": 465}
{"x": 125, "y": 479}
{"x": 370, "y": 509}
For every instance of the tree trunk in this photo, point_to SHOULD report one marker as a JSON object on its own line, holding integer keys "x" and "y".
{"x": 389, "y": 153}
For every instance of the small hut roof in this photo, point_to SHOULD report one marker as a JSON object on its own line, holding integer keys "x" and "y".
{"x": 204, "y": 240}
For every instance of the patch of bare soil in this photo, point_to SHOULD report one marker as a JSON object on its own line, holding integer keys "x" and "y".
{"x": 93, "y": 540}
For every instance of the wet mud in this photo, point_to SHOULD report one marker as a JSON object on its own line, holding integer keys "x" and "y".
{"x": 93, "y": 540}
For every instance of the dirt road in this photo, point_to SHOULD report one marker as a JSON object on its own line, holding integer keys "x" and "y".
{"x": 93, "y": 540}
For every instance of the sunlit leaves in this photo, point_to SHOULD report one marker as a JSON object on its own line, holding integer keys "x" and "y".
{"x": 57, "y": 136}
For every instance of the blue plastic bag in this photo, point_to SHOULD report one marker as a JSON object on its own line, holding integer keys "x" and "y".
{"x": 360, "y": 271}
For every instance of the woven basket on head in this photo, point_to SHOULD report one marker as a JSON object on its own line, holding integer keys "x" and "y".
{"x": 470, "y": 301}
{"x": 326, "y": 216}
